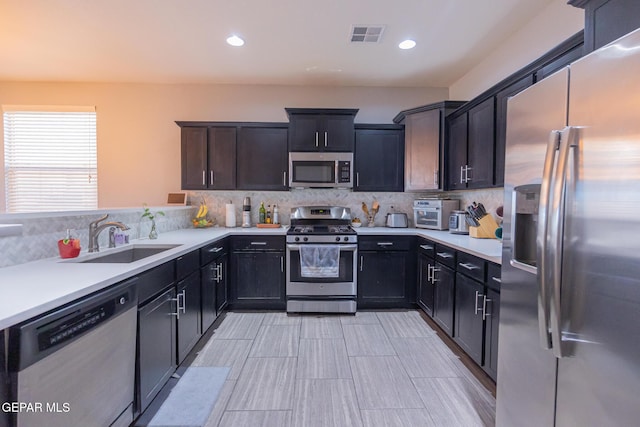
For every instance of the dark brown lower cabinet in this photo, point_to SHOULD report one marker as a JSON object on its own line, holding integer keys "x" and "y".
{"x": 259, "y": 279}
{"x": 443, "y": 297}
{"x": 188, "y": 317}
{"x": 469, "y": 319}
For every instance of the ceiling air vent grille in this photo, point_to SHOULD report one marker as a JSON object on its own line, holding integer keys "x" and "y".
{"x": 366, "y": 33}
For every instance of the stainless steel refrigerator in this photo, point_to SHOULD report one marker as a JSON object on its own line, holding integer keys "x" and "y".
{"x": 569, "y": 341}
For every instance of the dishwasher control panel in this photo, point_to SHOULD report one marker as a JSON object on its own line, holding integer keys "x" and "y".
{"x": 39, "y": 337}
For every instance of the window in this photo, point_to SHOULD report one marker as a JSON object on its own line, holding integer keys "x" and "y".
{"x": 50, "y": 159}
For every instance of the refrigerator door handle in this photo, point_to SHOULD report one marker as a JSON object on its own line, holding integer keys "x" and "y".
{"x": 543, "y": 273}
{"x": 568, "y": 139}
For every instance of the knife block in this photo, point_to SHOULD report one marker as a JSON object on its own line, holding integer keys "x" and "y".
{"x": 486, "y": 229}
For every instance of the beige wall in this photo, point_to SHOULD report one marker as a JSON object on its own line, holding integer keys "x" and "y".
{"x": 139, "y": 143}
{"x": 556, "y": 23}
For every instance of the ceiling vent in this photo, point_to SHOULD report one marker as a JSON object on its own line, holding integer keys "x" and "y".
{"x": 366, "y": 33}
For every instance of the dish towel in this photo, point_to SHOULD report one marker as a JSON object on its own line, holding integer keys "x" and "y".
{"x": 319, "y": 260}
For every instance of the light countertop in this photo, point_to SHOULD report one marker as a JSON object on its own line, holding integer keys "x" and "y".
{"x": 33, "y": 288}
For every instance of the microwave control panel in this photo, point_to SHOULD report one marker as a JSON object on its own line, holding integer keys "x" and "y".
{"x": 344, "y": 171}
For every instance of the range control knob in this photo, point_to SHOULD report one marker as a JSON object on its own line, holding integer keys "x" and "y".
{"x": 306, "y": 239}
{"x": 122, "y": 301}
{"x": 297, "y": 239}
{"x": 346, "y": 239}
{"x": 338, "y": 239}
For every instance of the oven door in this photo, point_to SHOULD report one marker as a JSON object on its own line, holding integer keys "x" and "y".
{"x": 343, "y": 285}
{"x": 428, "y": 218}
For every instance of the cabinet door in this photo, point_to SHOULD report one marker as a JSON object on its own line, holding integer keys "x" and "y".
{"x": 193, "y": 151}
{"x": 156, "y": 347}
{"x": 337, "y": 133}
{"x": 222, "y": 290}
{"x": 443, "y": 297}
{"x": 262, "y": 159}
{"x": 469, "y": 333}
{"x": 422, "y": 147}
{"x": 501, "y": 123}
{"x": 382, "y": 279}
{"x": 304, "y": 132}
{"x": 492, "y": 317}
{"x": 208, "y": 277}
{"x": 379, "y": 159}
{"x": 259, "y": 280}
{"x": 425, "y": 286}
{"x": 456, "y": 152}
{"x": 222, "y": 158}
{"x": 189, "y": 317}
{"x": 481, "y": 143}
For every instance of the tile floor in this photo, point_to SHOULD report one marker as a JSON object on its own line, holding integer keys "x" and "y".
{"x": 373, "y": 369}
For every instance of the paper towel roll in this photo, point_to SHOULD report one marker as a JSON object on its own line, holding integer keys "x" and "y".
{"x": 230, "y": 209}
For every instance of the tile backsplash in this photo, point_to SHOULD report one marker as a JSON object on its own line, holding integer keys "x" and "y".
{"x": 40, "y": 232}
{"x": 401, "y": 202}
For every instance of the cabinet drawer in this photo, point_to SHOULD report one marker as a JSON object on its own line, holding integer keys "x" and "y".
{"x": 384, "y": 243}
{"x": 494, "y": 272}
{"x": 186, "y": 264}
{"x": 212, "y": 251}
{"x": 471, "y": 266}
{"x": 155, "y": 280}
{"x": 427, "y": 248}
{"x": 445, "y": 255}
{"x": 258, "y": 243}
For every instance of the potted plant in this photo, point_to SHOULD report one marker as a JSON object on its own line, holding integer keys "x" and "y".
{"x": 153, "y": 234}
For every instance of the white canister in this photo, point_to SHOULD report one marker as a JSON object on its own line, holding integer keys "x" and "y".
{"x": 230, "y": 216}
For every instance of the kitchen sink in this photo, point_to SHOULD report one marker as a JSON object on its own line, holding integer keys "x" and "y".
{"x": 127, "y": 255}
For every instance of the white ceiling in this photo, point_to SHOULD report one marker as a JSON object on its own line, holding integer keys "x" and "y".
{"x": 300, "y": 42}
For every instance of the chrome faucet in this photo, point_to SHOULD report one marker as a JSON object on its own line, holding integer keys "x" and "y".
{"x": 95, "y": 228}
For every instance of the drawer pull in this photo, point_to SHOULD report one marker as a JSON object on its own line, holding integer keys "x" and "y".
{"x": 385, "y": 243}
{"x": 214, "y": 250}
{"x": 258, "y": 243}
{"x": 496, "y": 279}
{"x": 427, "y": 247}
{"x": 444, "y": 255}
{"x": 470, "y": 267}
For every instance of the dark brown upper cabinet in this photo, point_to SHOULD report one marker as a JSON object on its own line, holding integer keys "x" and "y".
{"x": 379, "y": 158}
{"x": 472, "y": 148}
{"x": 313, "y": 129}
{"x": 262, "y": 158}
{"x": 607, "y": 20}
{"x": 208, "y": 158}
{"x": 424, "y": 144}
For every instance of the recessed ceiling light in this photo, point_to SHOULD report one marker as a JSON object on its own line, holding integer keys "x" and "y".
{"x": 407, "y": 44}
{"x": 235, "y": 40}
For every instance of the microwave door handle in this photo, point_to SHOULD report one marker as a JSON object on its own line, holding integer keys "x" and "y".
{"x": 336, "y": 177}
{"x": 316, "y": 139}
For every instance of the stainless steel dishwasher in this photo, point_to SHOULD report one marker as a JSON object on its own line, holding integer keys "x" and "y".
{"x": 76, "y": 365}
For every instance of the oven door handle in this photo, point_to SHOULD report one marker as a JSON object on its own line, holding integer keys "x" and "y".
{"x": 342, "y": 247}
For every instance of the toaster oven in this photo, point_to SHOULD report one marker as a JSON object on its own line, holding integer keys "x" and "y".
{"x": 433, "y": 213}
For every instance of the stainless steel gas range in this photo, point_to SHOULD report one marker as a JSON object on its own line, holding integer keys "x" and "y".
{"x": 322, "y": 253}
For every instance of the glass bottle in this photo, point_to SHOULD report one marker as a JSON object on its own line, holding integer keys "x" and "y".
{"x": 262, "y": 214}
{"x": 268, "y": 219}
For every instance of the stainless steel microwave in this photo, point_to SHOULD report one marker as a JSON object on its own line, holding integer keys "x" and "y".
{"x": 320, "y": 170}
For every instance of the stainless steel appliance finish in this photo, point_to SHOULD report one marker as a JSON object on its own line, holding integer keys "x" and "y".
{"x": 458, "y": 222}
{"x": 323, "y": 225}
{"x": 570, "y": 294}
{"x": 433, "y": 213}
{"x": 396, "y": 220}
{"x": 320, "y": 170}
{"x": 78, "y": 362}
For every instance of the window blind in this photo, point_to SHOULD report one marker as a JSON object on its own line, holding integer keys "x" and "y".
{"x": 50, "y": 160}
